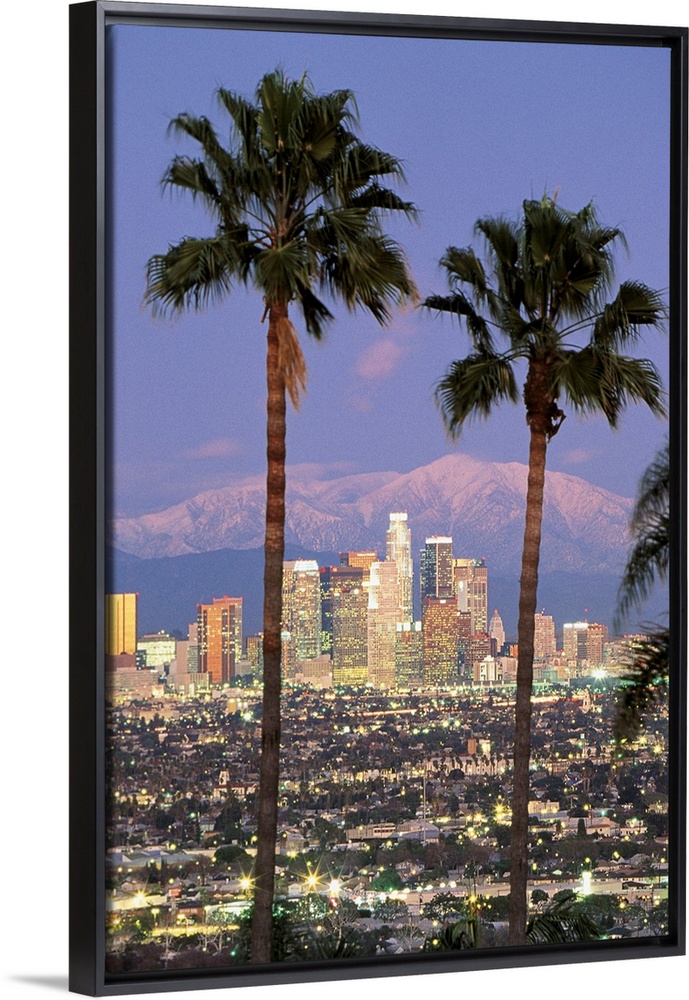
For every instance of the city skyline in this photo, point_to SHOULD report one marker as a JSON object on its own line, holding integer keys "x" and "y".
{"x": 355, "y": 616}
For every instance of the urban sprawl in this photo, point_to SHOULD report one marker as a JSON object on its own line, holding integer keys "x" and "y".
{"x": 394, "y": 814}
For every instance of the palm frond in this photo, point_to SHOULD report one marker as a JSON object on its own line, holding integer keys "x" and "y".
{"x": 654, "y": 490}
{"x": 649, "y": 558}
{"x": 473, "y": 387}
{"x": 645, "y": 684}
{"x": 375, "y": 196}
{"x": 194, "y": 177}
{"x": 460, "y": 936}
{"x": 635, "y": 306}
{"x": 459, "y": 305}
{"x": 291, "y": 361}
{"x": 565, "y": 921}
{"x": 596, "y": 380}
{"x": 372, "y": 275}
{"x": 195, "y": 272}
{"x": 316, "y": 314}
{"x": 647, "y": 562}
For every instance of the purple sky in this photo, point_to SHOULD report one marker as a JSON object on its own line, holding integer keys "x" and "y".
{"x": 480, "y": 126}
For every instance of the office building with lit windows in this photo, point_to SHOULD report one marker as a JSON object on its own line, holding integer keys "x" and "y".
{"x": 545, "y": 645}
{"x": 120, "y": 624}
{"x": 383, "y": 616}
{"x": 470, "y": 586}
{"x": 408, "y": 654}
{"x": 350, "y": 631}
{"x": 440, "y": 641}
{"x": 301, "y": 607}
{"x": 436, "y": 567}
{"x": 219, "y": 637}
{"x": 398, "y": 550}
{"x": 574, "y": 640}
{"x": 158, "y": 650}
{"x": 334, "y": 577}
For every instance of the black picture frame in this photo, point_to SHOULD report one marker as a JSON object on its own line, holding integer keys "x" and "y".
{"x": 89, "y": 235}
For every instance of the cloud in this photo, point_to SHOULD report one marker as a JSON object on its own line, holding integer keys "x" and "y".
{"x": 220, "y": 448}
{"x": 576, "y": 456}
{"x": 380, "y": 360}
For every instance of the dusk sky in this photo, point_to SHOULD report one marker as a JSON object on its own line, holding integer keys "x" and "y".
{"x": 480, "y": 127}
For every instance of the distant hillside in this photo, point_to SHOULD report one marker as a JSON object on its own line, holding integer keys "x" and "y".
{"x": 481, "y": 504}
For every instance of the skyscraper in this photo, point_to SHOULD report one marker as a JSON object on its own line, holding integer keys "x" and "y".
{"x": 496, "y": 630}
{"x": 334, "y": 577}
{"x": 398, "y": 550}
{"x": 350, "y": 631}
{"x": 574, "y": 640}
{"x": 383, "y": 616}
{"x": 596, "y": 639}
{"x": 440, "y": 641}
{"x": 544, "y": 636}
{"x": 436, "y": 567}
{"x": 120, "y": 624}
{"x": 470, "y": 585}
{"x": 301, "y": 607}
{"x": 408, "y": 654}
{"x": 219, "y": 634}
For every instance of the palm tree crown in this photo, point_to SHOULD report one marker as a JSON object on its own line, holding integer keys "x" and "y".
{"x": 298, "y": 202}
{"x": 543, "y": 291}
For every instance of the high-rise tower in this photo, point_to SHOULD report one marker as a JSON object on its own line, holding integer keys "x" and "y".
{"x": 544, "y": 636}
{"x": 440, "y": 641}
{"x": 470, "y": 585}
{"x": 301, "y": 607}
{"x": 350, "y": 630}
{"x": 219, "y": 634}
{"x": 398, "y": 550}
{"x": 496, "y": 630}
{"x": 120, "y": 624}
{"x": 383, "y": 616}
{"x": 436, "y": 567}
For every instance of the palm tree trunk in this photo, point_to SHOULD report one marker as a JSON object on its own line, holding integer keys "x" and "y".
{"x": 528, "y": 588}
{"x": 264, "y": 871}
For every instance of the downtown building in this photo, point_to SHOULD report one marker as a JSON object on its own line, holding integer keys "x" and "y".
{"x": 384, "y": 614}
{"x": 120, "y": 624}
{"x": 349, "y": 611}
{"x": 219, "y": 638}
{"x": 545, "y": 645}
{"x": 408, "y": 654}
{"x": 398, "y": 551}
{"x": 440, "y": 641}
{"x": 470, "y": 586}
{"x": 334, "y": 578}
{"x": 436, "y": 568}
{"x": 584, "y": 642}
{"x": 301, "y": 613}
{"x": 496, "y": 630}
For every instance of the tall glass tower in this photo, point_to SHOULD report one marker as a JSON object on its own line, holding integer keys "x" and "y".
{"x": 436, "y": 567}
{"x": 398, "y": 550}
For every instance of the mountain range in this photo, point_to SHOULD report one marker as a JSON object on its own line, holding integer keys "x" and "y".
{"x": 480, "y": 504}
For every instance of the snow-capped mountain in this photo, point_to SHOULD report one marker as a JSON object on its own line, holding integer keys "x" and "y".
{"x": 480, "y": 504}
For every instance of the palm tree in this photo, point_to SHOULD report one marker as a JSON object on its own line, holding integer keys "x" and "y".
{"x": 649, "y": 558}
{"x": 543, "y": 290}
{"x": 646, "y": 682}
{"x": 298, "y": 203}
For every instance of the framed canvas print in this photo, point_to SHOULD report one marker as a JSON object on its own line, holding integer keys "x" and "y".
{"x": 378, "y": 596}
